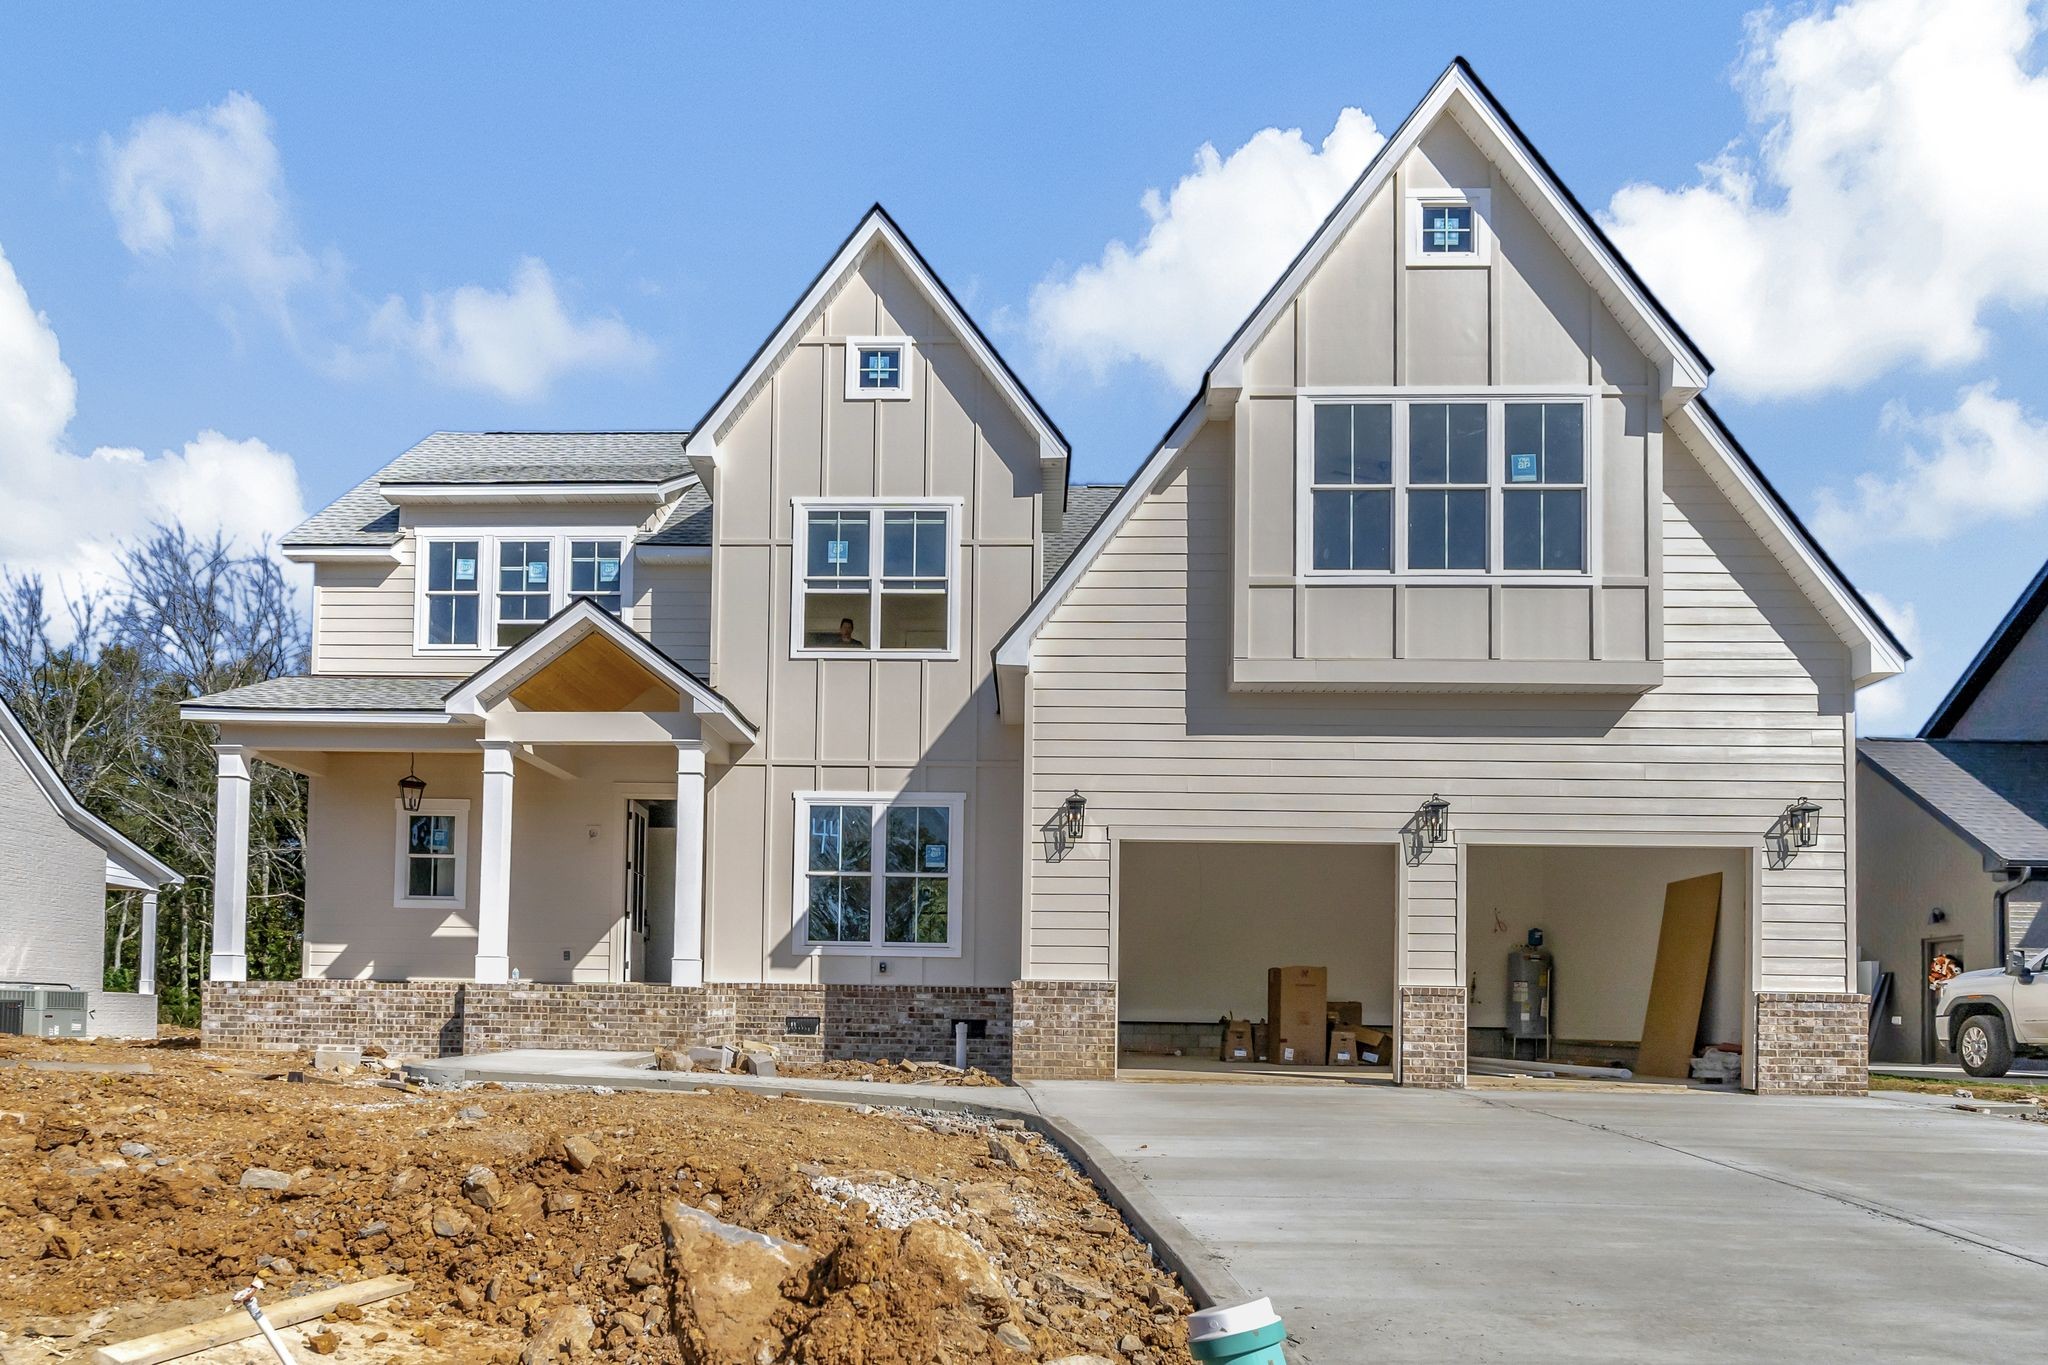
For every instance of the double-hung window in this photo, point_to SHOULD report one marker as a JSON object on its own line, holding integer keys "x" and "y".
{"x": 452, "y": 594}
{"x": 1544, "y": 504}
{"x": 878, "y": 873}
{"x": 1445, "y": 485}
{"x": 594, "y": 572}
{"x": 876, "y": 578}
{"x": 525, "y": 592}
{"x": 432, "y": 857}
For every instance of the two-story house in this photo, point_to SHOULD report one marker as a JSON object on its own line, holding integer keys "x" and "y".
{"x": 1446, "y": 611}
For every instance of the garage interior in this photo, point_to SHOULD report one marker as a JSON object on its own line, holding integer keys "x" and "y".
{"x": 1199, "y": 924}
{"x": 1602, "y": 913}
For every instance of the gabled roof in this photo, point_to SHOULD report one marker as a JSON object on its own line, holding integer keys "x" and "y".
{"x": 2019, "y": 619}
{"x": 485, "y": 461}
{"x": 561, "y": 632}
{"x": 1879, "y": 654}
{"x": 1460, "y": 93}
{"x": 876, "y": 230}
{"x": 1086, "y": 502}
{"x": 122, "y": 854}
{"x": 1993, "y": 793}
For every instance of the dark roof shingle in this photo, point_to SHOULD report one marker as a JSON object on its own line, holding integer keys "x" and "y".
{"x": 331, "y": 692}
{"x": 1992, "y": 792}
{"x": 1086, "y": 503}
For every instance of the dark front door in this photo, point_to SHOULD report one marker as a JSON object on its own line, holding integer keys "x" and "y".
{"x": 1930, "y": 949}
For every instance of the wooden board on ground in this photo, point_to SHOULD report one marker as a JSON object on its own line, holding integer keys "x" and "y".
{"x": 1678, "y": 986}
{"x": 238, "y": 1326}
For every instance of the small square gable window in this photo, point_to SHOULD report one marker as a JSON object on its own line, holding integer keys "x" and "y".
{"x": 1448, "y": 227}
{"x": 878, "y": 367}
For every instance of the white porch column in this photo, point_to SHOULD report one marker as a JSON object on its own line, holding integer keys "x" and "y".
{"x": 145, "y": 980}
{"x": 686, "y": 967}
{"x": 494, "y": 867}
{"x": 231, "y": 865}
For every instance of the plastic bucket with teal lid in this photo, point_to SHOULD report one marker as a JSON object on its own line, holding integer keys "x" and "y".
{"x": 1243, "y": 1334}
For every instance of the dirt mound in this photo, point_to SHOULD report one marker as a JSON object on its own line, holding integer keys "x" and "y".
{"x": 545, "y": 1225}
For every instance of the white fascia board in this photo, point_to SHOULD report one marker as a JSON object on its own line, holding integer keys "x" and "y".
{"x": 673, "y": 554}
{"x": 1455, "y": 92}
{"x": 701, "y": 445}
{"x": 1013, "y": 651}
{"x": 409, "y": 494}
{"x": 272, "y": 715}
{"x": 1874, "y": 657}
{"x": 341, "y": 554}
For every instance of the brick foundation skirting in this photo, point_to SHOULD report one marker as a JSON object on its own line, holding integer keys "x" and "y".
{"x": 806, "y": 1023}
{"x": 1064, "y": 1030}
{"x": 1429, "y": 1037}
{"x": 1812, "y": 1043}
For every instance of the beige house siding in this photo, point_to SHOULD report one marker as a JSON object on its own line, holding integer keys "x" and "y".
{"x": 671, "y": 607}
{"x": 867, "y": 725}
{"x": 2009, "y": 707}
{"x": 1909, "y": 864}
{"x": 1130, "y": 703}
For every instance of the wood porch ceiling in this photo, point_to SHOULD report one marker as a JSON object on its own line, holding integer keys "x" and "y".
{"x": 593, "y": 674}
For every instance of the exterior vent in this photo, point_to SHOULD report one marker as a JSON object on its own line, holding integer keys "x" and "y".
{"x": 11, "y": 1012}
{"x": 43, "y": 1011}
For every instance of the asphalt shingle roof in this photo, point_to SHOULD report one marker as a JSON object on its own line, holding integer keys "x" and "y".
{"x": 688, "y": 523}
{"x": 363, "y": 516}
{"x": 331, "y": 692}
{"x": 1086, "y": 502}
{"x": 1992, "y": 792}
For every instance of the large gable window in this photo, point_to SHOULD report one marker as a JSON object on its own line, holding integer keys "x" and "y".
{"x": 878, "y": 874}
{"x": 876, "y": 579}
{"x": 1453, "y": 485}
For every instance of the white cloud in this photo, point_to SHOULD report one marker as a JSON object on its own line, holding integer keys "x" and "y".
{"x": 515, "y": 342}
{"x": 1984, "y": 460}
{"x": 67, "y": 513}
{"x": 206, "y": 190}
{"x": 1215, "y": 244}
{"x": 1882, "y": 708}
{"x": 1884, "y": 199}
{"x": 204, "y": 193}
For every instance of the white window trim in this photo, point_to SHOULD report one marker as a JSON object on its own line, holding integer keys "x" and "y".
{"x": 399, "y": 899}
{"x": 955, "y": 510}
{"x": 907, "y": 369}
{"x": 955, "y": 804}
{"x": 487, "y": 539}
{"x": 1481, "y": 204}
{"x": 1496, "y": 399}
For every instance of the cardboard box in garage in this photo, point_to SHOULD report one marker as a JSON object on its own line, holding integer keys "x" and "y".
{"x": 1347, "y": 1013}
{"x": 1374, "y": 1048}
{"x": 1237, "y": 1041}
{"x": 1297, "y": 1004}
{"x": 1343, "y": 1047}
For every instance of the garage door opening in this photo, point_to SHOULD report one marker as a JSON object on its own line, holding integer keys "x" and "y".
{"x": 1199, "y": 924}
{"x": 1602, "y": 913}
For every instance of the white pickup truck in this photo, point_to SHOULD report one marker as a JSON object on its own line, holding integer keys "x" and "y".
{"x": 1987, "y": 1018}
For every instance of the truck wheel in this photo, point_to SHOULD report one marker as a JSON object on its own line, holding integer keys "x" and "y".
{"x": 1983, "y": 1046}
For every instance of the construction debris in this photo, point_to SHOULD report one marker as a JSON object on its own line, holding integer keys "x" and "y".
{"x": 239, "y": 1326}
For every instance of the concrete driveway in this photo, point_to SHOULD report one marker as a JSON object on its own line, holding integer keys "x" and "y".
{"x": 1399, "y": 1225}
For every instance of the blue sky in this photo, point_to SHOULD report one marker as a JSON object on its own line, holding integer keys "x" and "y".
{"x": 252, "y": 252}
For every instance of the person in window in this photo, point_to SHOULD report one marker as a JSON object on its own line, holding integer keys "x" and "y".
{"x": 846, "y": 639}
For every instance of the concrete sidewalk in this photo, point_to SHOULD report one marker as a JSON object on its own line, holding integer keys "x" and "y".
{"x": 1394, "y": 1225}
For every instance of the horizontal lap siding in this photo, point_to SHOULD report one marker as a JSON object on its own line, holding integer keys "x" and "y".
{"x": 363, "y": 619}
{"x": 1130, "y": 706}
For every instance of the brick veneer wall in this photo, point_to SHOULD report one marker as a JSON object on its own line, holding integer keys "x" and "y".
{"x": 915, "y": 1023}
{"x": 1429, "y": 1037}
{"x": 1812, "y": 1043}
{"x": 409, "y": 1018}
{"x": 617, "y": 1016}
{"x": 1063, "y": 1030}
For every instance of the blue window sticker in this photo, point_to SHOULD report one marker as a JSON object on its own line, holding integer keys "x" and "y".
{"x": 1522, "y": 469}
{"x": 835, "y": 552}
{"x": 465, "y": 571}
{"x": 934, "y": 855}
{"x": 608, "y": 571}
{"x": 537, "y": 571}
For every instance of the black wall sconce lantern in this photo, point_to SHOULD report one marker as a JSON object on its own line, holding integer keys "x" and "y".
{"x": 1074, "y": 814}
{"x": 1066, "y": 827}
{"x": 1427, "y": 828}
{"x": 412, "y": 787}
{"x": 1797, "y": 827}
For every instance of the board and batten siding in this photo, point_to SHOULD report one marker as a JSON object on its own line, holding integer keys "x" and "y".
{"x": 1129, "y": 703}
{"x": 363, "y": 615}
{"x": 867, "y": 724}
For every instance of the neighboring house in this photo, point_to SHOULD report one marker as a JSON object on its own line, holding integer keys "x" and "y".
{"x": 1953, "y": 848}
{"x": 842, "y": 719}
{"x": 57, "y": 863}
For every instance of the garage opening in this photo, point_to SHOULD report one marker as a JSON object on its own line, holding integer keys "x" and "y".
{"x": 1633, "y": 941}
{"x": 1200, "y": 924}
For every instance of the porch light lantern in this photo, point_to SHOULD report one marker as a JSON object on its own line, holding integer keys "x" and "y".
{"x": 1074, "y": 816}
{"x": 412, "y": 788}
{"x": 1802, "y": 822}
{"x": 1433, "y": 820}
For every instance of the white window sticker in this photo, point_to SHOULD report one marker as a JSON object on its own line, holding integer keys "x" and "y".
{"x": 608, "y": 571}
{"x": 465, "y": 571}
{"x": 537, "y": 571}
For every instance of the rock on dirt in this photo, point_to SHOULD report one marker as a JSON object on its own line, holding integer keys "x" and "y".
{"x": 1008, "y": 1151}
{"x": 263, "y": 1178}
{"x": 565, "y": 1332}
{"x": 580, "y": 1152}
{"x": 725, "y": 1282}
